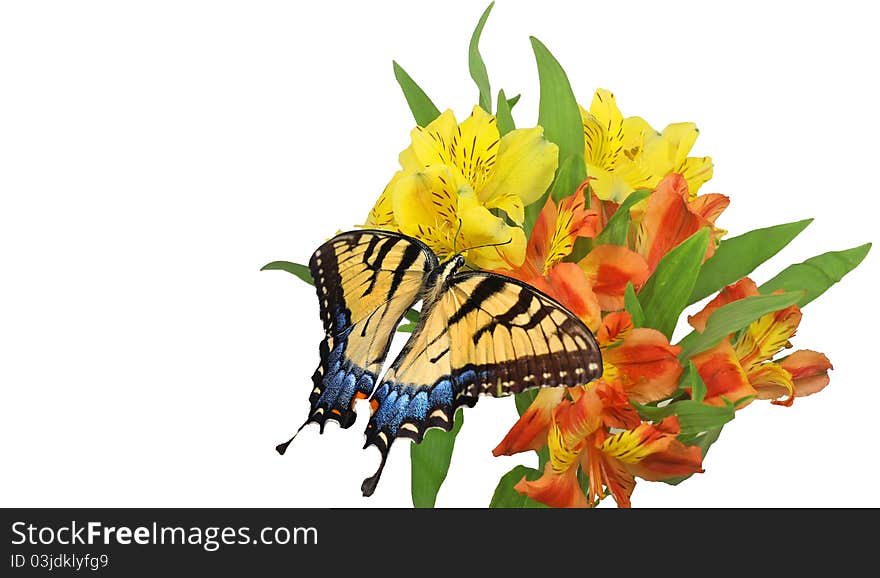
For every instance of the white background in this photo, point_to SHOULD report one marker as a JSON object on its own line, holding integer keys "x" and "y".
{"x": 154, "y": 155}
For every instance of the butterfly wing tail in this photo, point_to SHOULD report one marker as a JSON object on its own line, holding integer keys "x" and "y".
{"x": 401, "y": 411}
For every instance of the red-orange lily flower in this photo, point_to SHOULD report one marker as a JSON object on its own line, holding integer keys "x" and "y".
{"x": 670, "y": 216}
{"x": 579, "y": 438}
{"x": 744, "y": 367}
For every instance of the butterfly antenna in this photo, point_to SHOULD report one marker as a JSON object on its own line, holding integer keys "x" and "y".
{"x": 455, "y": 239}
{"x": 507, "y": 242}
{"x": 281, "y": 448}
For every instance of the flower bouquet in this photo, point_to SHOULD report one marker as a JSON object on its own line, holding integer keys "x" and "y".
{"x": 592, "y": 220}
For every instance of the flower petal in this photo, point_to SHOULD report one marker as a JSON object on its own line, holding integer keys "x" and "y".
{"x": 771, "y": 381}
{"x": 766, "y": 336}
{"x": 530, "y": 431}
{"x": 567, "y": 284}
{"x": 645, "y": 364}
{"x": 604, "y": 470}
{"x": 723, "y": 375}
{"x": 603, "y": 131}
{"x": 480, "y": 227}
{"x": 743, "y": 288}
{"x": 696, "y": 171}
{"x": 382, "y": 214}
{"x": 474, "y": 148}
{"x": 809, "y": 371}
{"x": 557, "y": 490}
{"x": 430, "y": 145}
{"x": 573, "y": 220}
{"x": 525, "y": 166}
{"x": 615, "y": 328}
{"x": 612, "y": 267}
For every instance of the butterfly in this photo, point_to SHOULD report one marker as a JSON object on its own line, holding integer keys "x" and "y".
{"x": 478, "y": 333}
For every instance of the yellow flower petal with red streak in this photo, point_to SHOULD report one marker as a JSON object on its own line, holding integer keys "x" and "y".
{"x": 632, "y": 446}
{"x": 771, "y": 381}
{"x": 530, "y": 431}
{"x": 696, "y": 170}
{"x": 605, "y": 471}
{"x": 555, "y": 490}
{"x": 525, "y": 166}
{"x": 809, "y": 371}
{"x": 743, "y": 288}
{"x": 645, "y": 364}
{"x": 573, "y": 220}
{"x": 430, "y": 144}
{"x": 612, "y": 267}
{"x": 723, "y": 375}
{"x": 570, "y": 425}
{"x": 381, "y": 216}
{"x": 766, "y": 336}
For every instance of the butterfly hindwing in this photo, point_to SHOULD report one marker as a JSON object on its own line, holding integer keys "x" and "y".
{"x": 365, "y": 281}
{"x": 485, "y": 334}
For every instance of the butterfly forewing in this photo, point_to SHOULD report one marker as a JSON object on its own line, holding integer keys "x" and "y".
{"x": 365, "y": 281}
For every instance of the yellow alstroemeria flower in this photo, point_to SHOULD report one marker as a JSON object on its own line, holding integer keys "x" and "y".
{"x": 454, "y": 175}
{"x": 625, "y": 154}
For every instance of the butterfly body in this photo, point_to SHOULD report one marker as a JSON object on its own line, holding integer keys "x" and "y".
{"x": 478, "y": 334}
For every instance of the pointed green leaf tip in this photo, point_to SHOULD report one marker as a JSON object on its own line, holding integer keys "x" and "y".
{"x": 558, "y": 113}
{"x": 423, "y": 110}
{"x": 430, "y": 462}
{"x": 300, "y": 271}
{"x": 506, "y": 497}
{"x": 477, "y": 66}
{"x": 739, "y": 256}
{"x": 817, "y": 274}
{"x": 504, "y": 116}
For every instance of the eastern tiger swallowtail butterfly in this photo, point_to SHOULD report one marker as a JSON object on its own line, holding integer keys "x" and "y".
{"x": 478, "y": 333}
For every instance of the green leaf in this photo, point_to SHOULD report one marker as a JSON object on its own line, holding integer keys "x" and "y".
{"x": 817, "y": 274}
{"x": 407, "y": 327}
{"x": 616, "y": 230}
{"x": 504, "y": 118}
{"x": 738, "y": 256}
{"x": 300, "y": 271}
{"x": 511, "y": 102}
{"x": 423, "y": 110}
{"x": 698, "y": 386}
{"x": 558, "y": 113}
{"x": 524, "y": 399}
{"x": 731, "y": 318}
{"x": 430, "y": 462}
{"x": 566, "y": 180}
{"x": 633, "y": 306}
{"x": 506, "y": 497}
{"x": 666, "y": 293}
{"x": 476, "y": 65}
{"x": 693, "y": 416}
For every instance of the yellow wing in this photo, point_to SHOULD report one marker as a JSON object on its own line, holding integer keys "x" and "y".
{"x": 486, "y": 334}
{"x": 366, "y": 281}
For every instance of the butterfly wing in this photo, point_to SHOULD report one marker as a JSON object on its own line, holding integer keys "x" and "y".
{"x": 366, "y": 281}
{"x": 486, "y": 334}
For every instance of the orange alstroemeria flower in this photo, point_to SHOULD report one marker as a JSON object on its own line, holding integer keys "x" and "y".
{"x": 743, "y": 367}
{"x": 578, "y": 439}
{"x": 669, "y": 216}
{"x": 551, "y": 240}
{"x": 639, "y": 365}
